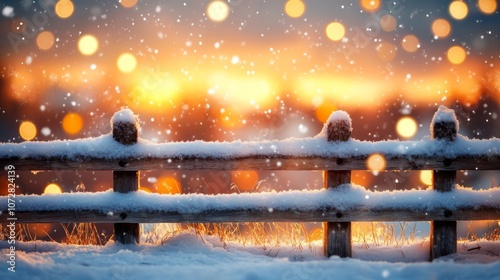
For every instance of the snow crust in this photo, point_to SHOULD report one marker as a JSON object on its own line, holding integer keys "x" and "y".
{"x": 344, "y": 198}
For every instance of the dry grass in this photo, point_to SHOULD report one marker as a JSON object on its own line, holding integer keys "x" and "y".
{"x": 267, "y": 235}
{"x": 83, "y": 234}
{"x": 75, "y": 233}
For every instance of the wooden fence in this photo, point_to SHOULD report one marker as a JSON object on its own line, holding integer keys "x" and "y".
{"x": 336, "y": 163}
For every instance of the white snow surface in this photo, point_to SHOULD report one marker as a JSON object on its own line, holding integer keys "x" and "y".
{"x": 186, "y": 256}
{"x": 107, "y": 148}
{"x": 344, "y": 198}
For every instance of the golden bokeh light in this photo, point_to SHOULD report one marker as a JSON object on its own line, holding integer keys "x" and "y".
{"x": 441, "y": 28}
{"x": 406, "y": 127}
{"x": 128, "y": 3}
{"x": 295, "y": 8}
{"x": 126, "y": 62}
{"x": 27, "y": 130}
{"x": 335, "y": 31}
{"x": 426, "y": 177}
{"x": 45, "y": 40}
{"x": 456, "y": 54}
{"x": 386, "y": 51}
{"x": 370, "y": 5}
{"x": 324, "y": 111}
{"x": 458, "y": 9}
{"x": 168, "y": 185}
{"x": 218, "y": 11}
{"x": 52, "y": 189}
{"x": 64, "y": 8}
{"x": 376, "y": 162}
{"x": 388, "y": 23}
{"x": 88, "y": 44}
{"x": 156, "y": 92}
{"x": 72, "y": 123}
{"x": 487, "y": 6}
{"x": 245, "y": 180}
{"x": 410, "y": 43}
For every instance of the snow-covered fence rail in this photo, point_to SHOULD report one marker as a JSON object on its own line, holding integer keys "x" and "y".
{"x": 333, "y": 151}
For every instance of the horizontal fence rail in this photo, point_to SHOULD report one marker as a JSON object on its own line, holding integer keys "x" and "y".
{"x": 332, "y": 151}
{"x": 314, "y": 206}
{"x": 260, "y": 162}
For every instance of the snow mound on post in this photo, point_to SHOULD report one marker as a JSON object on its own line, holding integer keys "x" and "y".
{"x": 125, "y": 126}
{"x": 446, "y": 120}
{"x": 336, "y": 117}
{"x": 124, "y": 116}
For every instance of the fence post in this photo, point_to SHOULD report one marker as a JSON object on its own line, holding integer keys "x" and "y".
{"x": 125, "y": 131}
{"x": 337, "y": 235}
{"x": 443, "y": 235}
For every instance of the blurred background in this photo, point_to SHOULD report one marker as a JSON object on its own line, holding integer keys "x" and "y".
{"x": 245, "y": 70}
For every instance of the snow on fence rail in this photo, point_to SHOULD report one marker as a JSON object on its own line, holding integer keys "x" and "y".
{"x": 332, "y": 150}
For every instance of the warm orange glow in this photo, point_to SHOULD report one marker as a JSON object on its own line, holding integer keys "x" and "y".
{"x": 458, "y": 10}
{"x": 231, "y": 117}
{"x": 72, "y": 123}
{"x": 156, "y": 90}
{"x": 406, "y": 127}
{"x": 45, "y": 40}
{"x": 241, "y": 90}
{"x": 324, "y": 111}
{"x": 441, "y": 28}
{"x": 426, "y": 177}
{"x": 359, "y": 177}
{"x": 487, "y": 6}
{"x": 168, "y": 185}
{"x": 456, "y": 54}
{"x": 335, "y": 31}
{"x": 410, "y": 43}
{"x": 340, "y": 91}
{"x": 295, "y": 8}
{"x": 376, "y": 162}
{"x": 52, "y": 189}
{"x": 245, "y": 180}
{"x": 64, "y": 8}
{"x": 128, "y": 3}
{"x": 126, "y": 62}
{"x": 370, "y": 5}
{"x": 388, "y": 23}
{"x": 386, "y": 51}
{"x": 218, "y": 11}
{"x": 27, "y": 130}
{"x": 88, "y": 44}
{"x": 315, "y": 235}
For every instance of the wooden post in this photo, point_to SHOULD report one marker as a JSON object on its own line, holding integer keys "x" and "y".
{"x": 125, "y": 131}
{"x": 443, "y": 234}
{"x": 337, "y": 235}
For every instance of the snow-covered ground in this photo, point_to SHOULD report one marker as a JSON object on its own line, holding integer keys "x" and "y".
{"x": 187, "y": 256}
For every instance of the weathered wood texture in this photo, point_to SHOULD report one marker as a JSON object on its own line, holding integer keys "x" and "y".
{"x": 337, "y": 235}
{"x": 271, "y": 162}
{"x": 126, "y": 133}
{"x": 443, "y": 234}
{"x": 360, "y": 213}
